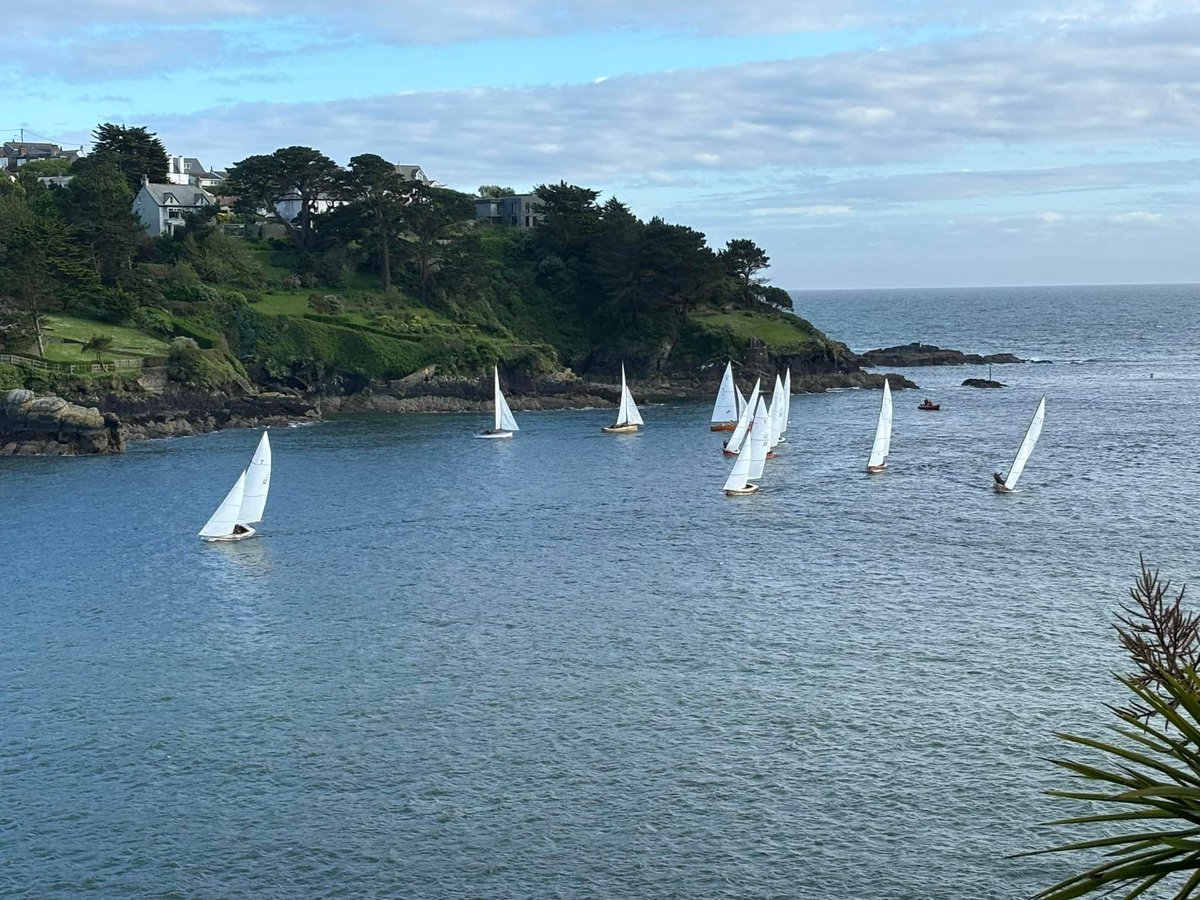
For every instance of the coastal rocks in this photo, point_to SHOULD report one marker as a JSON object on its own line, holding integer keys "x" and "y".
{"x": 981, "y": 383}
{"x": 918, "y": 354}
{"x": 50, "y": 426}
{"x": 186, "y": 412}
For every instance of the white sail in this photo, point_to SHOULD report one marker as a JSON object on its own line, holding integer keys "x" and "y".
{"x": 627, "y": 413}
{"x": 226, "y": 516}
{"x": 883, "y": 430}
{"x": 787, "y": 399}
{"x": 775, "y": 414}
{"x": 726, "y": 407}
{"x": 1027, "y": 445}
{"x": 739, "y": 474}
{"x": 739, "y": 433}
{"x": 741, "y": 398}
{"x": 258, "y": 482}
{"x": 504, "y": 416}
{"x": 760, "y": 439}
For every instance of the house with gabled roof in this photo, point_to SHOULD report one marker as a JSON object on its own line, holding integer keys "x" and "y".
{"x": 14, "y": 154}
{"x": 189, "y": 170}
{"x": 163, "y": 207}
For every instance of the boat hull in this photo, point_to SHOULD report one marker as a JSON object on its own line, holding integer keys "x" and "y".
{"x": 620, "y": 429}
{"x": 875, "y": 470}
{"x": 228, "y": 538}
{"x": 723, "y": 426}
{"x": 728, "y": 452}
{"x": 494, "y": 435}
{"x": 1001, "y": 489}
{"x": 771, "y": 454}
{"x": 932, "y": 407}
{"x": 741, "y": 492}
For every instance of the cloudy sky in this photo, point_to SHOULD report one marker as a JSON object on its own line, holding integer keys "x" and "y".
{"x": 860, "y": 143}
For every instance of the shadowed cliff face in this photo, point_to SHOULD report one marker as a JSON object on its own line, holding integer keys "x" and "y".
{"x": 50, "y": 426}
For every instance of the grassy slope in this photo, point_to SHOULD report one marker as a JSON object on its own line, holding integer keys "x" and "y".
{"x": 126, "y": 341}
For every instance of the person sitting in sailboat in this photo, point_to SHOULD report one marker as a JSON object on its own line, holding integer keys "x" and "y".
{"x": 999, "y": 478}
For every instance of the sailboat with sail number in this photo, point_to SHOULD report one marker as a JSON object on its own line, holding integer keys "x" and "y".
{"x": 883, "y": 433}
{"x": 629, "y": 419}
{"x": 243, "y": 506}
{"x": 504, "y": 424}
{"x": 1008, "y": 483}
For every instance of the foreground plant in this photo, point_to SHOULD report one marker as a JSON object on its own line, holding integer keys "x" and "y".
{"x": 1152, "y": 778}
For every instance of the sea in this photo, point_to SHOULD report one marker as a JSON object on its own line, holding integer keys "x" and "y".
{"x": 567, "y": 665}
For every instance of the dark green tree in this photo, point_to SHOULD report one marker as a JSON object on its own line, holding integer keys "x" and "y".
{"x": 495, "y": 191}
{"x": 98, "y": 205}
{"x": 682, "y": 272}
{"x": 743, "y": 260}
{"x": 777, "y": 297}
{"x": 259, "y": 182}
{"x": 39, "y": 260}
{"x": 569, "y": 216}
{"x": 614, "y": 268}
{"x": 433, "y": 219}
{"x": 373, "y": 185}
{"x": 135, "y": 151}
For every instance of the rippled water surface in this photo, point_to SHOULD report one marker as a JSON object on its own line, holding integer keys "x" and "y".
{"x": 566, "y": 665}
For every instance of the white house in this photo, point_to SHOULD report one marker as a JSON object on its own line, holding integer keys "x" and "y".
{"x": 189, "y": 170}
{"x": 162, "y": 207}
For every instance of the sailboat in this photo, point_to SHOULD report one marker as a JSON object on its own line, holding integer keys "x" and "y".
{"x": 504, "y": 424}
{"x": 628, "y": 418}
{"x": 787, "y": 404}
{"x": 245, "y": 502}
{"x": 727, "y": 409}
{"x": 760, "y": 443}
{"x": 1030, "y": 441}
{"x": 734, "y": 445}
{"x": 883, "y": 433}
{"x": 776, "y": 415}
{"x": 749, "y": 464}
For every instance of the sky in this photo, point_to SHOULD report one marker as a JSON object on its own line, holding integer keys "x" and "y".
{"x": 859, "y": 143}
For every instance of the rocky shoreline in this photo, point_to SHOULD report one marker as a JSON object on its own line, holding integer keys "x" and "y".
{"x": 35, "y": 426}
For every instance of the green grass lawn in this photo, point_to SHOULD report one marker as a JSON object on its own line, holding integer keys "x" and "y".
{"x": 775, "y": 330}
{"x": 126, "y": 341}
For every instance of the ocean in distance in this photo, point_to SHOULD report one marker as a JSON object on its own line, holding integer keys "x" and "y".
{"x": 567, "y": 666}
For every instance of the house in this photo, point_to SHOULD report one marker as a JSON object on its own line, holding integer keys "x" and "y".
{"x": 412, "y": 173}
{"x": 189, "y": 170}
{"x": 14, "y": 154}
{"x": 289, "y": 205}
{"x": 519, "y": 210}
{"x": 162, "y": 207}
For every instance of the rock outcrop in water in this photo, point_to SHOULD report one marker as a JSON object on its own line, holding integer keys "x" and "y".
{"x": 50, "y": 426}
{"x": 918, "y": 354}
{"x": 981, "y": 383}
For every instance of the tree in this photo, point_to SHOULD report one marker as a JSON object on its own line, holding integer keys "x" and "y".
{"x": 682, "y": 271}
{"x": 98, "y": 344}
{"x": 39, "y": 260}
{"x": 494, "y": 191}
{"x": 135, "y": 151}
{"x": 777, "y": 297}
{"x": 373, "y": 184}
{"x": 1153, "y": 776}
{"x": 433, "y": 217}
{"x": 98, "y": 204}
{"x": 259, "y": 182}
{"x": 743, "y": 260}
{"x": 569, "y": 216}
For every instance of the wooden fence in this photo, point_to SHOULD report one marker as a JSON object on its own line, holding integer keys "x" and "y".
{"x": 46, "y": 365}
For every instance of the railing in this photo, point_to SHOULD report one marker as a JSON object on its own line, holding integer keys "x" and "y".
{"x": 46, "y": 365}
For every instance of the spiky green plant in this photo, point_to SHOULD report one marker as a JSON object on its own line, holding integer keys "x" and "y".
{"x": 1152, "y": 777}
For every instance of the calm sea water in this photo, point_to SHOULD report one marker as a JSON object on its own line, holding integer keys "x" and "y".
{"x": 567, "y": 666}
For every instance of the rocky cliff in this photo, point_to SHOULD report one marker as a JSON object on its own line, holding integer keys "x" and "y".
{"x": 50, "y": 426}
